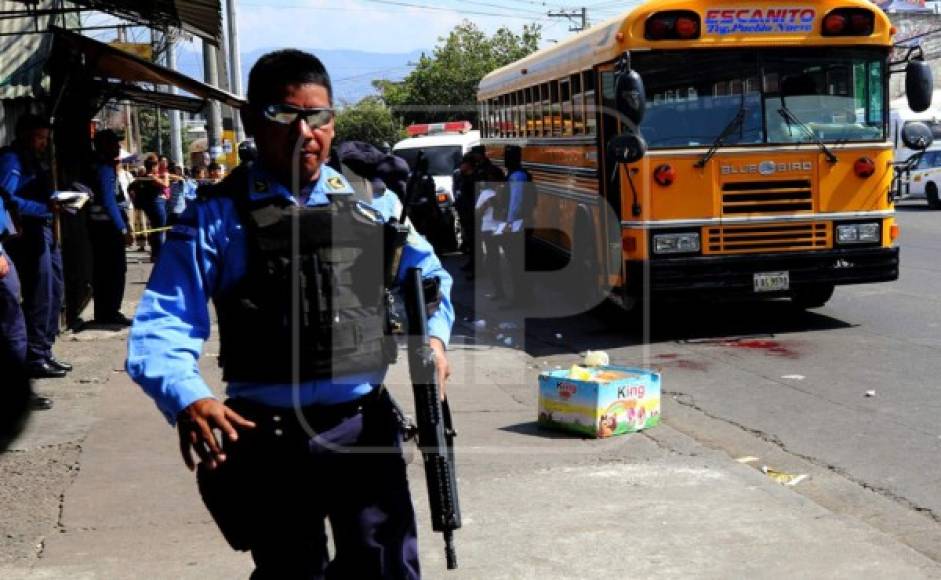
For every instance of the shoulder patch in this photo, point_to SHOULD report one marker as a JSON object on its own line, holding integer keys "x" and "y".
{"x": 336, "y": 183}
{"x": 261, "y": 186}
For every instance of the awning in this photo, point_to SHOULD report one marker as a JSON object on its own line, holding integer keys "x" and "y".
{"x": 200, "y": 17}
{"x": 107, "y": 62}
{"x": 142, "y": 96}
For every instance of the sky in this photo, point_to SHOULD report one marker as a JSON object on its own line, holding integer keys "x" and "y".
{"x": 389, "y": 26}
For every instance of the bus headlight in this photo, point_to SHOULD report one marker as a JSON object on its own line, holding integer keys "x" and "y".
{"x": 868, "y": 233}
{"x": 685, "y": 243}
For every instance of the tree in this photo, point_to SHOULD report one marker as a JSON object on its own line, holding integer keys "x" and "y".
{"x": 443, "y": 87}
{"x": 369, "y": 120}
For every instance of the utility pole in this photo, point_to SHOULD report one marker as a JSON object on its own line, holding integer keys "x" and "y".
{"x": 176, "y": 142}
{"x": 214, "y": 113}
{"x": 235, "y": 66}
{"x": 577, "y": 25}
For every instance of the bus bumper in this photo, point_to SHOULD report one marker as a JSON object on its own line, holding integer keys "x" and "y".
{"x": 735, "y": 274}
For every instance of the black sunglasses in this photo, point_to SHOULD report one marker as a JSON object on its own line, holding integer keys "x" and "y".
{"x": 287, "y": 114}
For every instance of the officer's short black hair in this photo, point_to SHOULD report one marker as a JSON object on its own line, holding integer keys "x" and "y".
{"x": 106, "y": 136}
{"x": 276, "y": 70}
{"x": 30, "y": 122}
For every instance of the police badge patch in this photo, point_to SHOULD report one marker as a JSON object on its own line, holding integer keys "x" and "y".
{"x": 261, "y": 186}
{"x": 335, "y": 183}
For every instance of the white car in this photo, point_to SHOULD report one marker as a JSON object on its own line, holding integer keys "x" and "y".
{"x": 924, "y": 181}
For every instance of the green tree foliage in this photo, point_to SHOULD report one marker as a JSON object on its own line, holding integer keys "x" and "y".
{"x": 443, "y": 86}
{"x": 369, "y": 120}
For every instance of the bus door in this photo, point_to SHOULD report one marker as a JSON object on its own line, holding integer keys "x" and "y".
{"x": 609, "y": 126}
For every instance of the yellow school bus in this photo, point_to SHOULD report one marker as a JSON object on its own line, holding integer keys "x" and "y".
{"x": 768, "y": 164}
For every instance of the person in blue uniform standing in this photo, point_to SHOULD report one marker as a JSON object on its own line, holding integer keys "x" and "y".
{"x": 26, "y": 177}
{"x": 308, "y": 432}
{"x": 16, "y": 395}
{"x": 109, "y": 230}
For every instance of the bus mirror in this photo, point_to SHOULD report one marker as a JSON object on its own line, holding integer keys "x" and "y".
{"x": 919, "y": 85}
{"x": 628, "y": 148}
{"x": 917, "y": 136}
{"x": 629, "y": 96}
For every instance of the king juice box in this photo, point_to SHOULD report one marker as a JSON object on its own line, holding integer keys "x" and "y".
{"x": 603, "y": 401}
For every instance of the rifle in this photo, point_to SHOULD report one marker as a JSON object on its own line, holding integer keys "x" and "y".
{"x": 433, "y": 417}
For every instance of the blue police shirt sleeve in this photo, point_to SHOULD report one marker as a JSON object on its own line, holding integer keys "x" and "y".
{"x": 418, "y": 253}
{"x": 172, "y": 320}
{"x": 107, "y": 182}
{"x": 11, "y": 179}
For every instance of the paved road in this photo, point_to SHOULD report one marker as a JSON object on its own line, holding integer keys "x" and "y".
{"x": 797, "y": 381}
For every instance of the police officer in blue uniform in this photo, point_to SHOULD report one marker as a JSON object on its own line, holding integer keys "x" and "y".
{"x": 290, "y": 259}
{"x": 16, "y": 392}
{"x": 109, "y": 230}
{"x": 26, "y": 178}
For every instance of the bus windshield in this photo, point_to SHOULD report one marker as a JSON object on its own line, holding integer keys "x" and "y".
{"x": 442, "y": 159}
{"x": 693, "y": 95}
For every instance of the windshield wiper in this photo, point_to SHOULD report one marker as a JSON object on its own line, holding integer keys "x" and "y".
{"x": 733, "y": 125}
{"x": 791, "y": 118}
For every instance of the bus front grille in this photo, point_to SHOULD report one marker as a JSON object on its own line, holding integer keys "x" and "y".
{"x": 753, "y": 239}
{"x": 767, "y": 197}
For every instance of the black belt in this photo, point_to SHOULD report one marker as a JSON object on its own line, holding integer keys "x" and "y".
{"x": 302, "y": 421}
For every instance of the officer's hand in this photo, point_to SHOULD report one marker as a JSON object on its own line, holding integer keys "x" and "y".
{"x": 4, "y": 266}
{"x": 441, "y": 363}
{"x": 195, "y": 425}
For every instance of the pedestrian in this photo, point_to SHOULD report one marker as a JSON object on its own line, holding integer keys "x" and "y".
{"x": 150, "y": 195}
{"x": 27, "y": 178}
{"x": 215, "y": 172}
{"x": 16, "y": 394}
{"x": 521, "y": 206}
{"x": 109, "y": 231}
{"x": 295, "y": 410}
{"x": 182, "y": 190}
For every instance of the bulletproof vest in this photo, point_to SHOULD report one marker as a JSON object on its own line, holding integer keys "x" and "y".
{"x": 313, "y": 302}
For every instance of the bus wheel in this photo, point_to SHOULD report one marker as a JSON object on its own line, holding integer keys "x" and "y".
{"x": 931, "y": 192}
{"x": 813, "y": 296}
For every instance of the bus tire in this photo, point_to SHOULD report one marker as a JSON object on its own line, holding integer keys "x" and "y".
{"x": 931, "y": 192}
{"x": 813, "y": 296}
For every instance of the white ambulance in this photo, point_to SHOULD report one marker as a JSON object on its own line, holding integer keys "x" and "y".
{"x": 444, "y": 144}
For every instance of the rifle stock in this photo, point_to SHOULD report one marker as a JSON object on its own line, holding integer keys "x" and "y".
{"x": 433, "y": 418}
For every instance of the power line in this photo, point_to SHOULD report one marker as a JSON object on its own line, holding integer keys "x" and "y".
{"x": 581, "y": 14}
{"x": 440, "y": 9}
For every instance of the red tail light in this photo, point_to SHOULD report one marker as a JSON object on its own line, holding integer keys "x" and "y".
{"x": 673, "y": 25}
{"x": 834, "y": 24}
{"x": 664, "y": 175}
{"x": 849, "y": 22}
{"x": 864, "y": 167}
{"x": 687, "y": 27}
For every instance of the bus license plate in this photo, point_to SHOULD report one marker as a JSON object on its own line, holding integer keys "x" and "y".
{"x": 772, "y": 281}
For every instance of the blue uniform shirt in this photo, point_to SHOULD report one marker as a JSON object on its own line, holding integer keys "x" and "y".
{"x": 206, "y": 254}
{"x": 517, "y": 181}
{"x": 6, "y": 224}
{"x": 14, "y": 178}
{"x": 106, "y": 194}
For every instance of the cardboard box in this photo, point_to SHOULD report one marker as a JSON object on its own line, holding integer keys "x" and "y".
{"x": 619, "y": 400}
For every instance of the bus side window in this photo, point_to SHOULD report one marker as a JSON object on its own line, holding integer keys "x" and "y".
{"x": 545, "y": 114}
{"x": 589, "y": 98}
{"x": 555, "y": 108}
{"x": 578, "y": 105}
{"x": 565, "y": 99}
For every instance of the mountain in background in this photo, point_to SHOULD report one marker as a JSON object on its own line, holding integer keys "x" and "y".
{"x": 351, "y": 71}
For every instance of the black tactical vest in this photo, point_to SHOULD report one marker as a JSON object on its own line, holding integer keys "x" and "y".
{"x": 313, "y": 303}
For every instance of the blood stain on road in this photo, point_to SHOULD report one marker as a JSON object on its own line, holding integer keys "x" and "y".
{"x": 771, "y": 347}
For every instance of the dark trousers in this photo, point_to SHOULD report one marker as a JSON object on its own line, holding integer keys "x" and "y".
{"x": 13, "y": 337}
{"x": 156, "y": 211}
{"x": 39, "y": 262}
{"x": 14, "y": 382}
{"x": 279, "y": 484}
{"x": 109, "y": 269}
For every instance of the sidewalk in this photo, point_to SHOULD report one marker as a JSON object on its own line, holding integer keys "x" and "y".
{"x": 535, "y": 504}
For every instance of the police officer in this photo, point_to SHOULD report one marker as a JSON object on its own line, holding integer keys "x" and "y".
{"x": 15, "y": 393}
{"x": 304, "y": 354}
{"x": 109, "y": 231}
{"x": 27, "y": 179}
